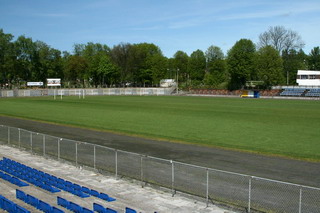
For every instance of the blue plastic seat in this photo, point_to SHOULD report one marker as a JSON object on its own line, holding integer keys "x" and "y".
{"x": 1, "y": 201}
{"x": 45, "y": 207}
{"x": 75, "y": 207}
{"x": 106, "y": 197}
{"x": 111, "y": 210}
{"x": 33, "y": 201}
{"x": 56, "y": 210}
{"x": 63, "y": 202}
{"x": 8, "y": 205}
{"x": 85, "y": 190}
{"x": 94, "y": 193}
{"x": 129, "y": 210}
{"x": 21, "y": 195}
{"x": 20, "y": 209}
{"x": 99, "y": 208}
{"x": 85, "y": 210}
{"x": 81, "y": 194}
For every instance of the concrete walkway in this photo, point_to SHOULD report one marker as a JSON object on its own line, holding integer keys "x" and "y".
{"x": 128, "y": 193}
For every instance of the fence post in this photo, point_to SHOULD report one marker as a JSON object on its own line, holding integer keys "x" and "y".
{"x": 141, "y": 170}
{"x": 8, "y": 135}
{"x": 59, "y": 139}
{"x": 31, "y": 142}
{"x": 300, "y": 199}
{"x": 94, "y": 157}
{"x": 172, "y": 179}
{"x": 116, "y": 162}
{"x": 19, "y": 138}
{"x": 44, "y": 144}
{"x": 76, "y": 153}
{"x": 249, "y": 201}
{"x": 207, "y": 193}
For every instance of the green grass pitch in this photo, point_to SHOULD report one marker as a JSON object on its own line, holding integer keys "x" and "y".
{"x": 277, "y": 127}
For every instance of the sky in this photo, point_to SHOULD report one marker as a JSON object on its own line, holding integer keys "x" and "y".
{"x": 173, "y": 25}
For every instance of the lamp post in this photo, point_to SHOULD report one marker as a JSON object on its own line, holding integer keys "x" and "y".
{"x": 178, "y": 81}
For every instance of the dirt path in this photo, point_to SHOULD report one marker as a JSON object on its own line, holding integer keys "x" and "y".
{"x": 294, "y": 171}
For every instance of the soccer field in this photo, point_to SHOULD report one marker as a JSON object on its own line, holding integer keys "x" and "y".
{"x": 277, "y": 127}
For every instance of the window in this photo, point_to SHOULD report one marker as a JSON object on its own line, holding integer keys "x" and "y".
{"x": 312, "y": 77}
{"x": 304, "y": 77}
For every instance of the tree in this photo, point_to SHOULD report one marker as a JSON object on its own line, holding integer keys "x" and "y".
{"x": 281, "y": 39}
{"x": 142, "y": 64}
{"x": 314, "y": 59}
{"x": 26, "y": 58}
{"x": 292, "y": 62}
{"x": 269, "y": 66}
{"x": 120, "y": 56}
{"x": 181, "y": 66}
{"x": 240, "y": 62}
{"x": 75, "y": 70}
{"x": 107, "y": 71}
{"x": 197, "y": 66}
{"x": 213, "y": 53}
{"x": 216, "y": 74}
{"x": 7, "y": 58}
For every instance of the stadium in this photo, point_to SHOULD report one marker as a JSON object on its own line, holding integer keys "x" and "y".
{"x": 153, "y": 150}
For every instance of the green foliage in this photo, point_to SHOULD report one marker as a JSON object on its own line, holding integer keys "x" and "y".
{"x": 292, "y": 62}
{"x": 197, "y": 65}
{"x": 7, "y": 59}
{"x": 269, "y": 66}
{"x": 143, "y": 64}
{"x": 283, "y": 127}
{"x": 240, "y": 63}
{"x": 214, "y": 53}
{"x": 75, "y": 70}
{"x": 217, "y": 74}
{"x": 314, "y": 59}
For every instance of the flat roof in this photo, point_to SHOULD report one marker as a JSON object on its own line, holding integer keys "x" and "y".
{"x": 308, "y": 72}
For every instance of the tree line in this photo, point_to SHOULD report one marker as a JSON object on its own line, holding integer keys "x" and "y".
{"x": 274, "y": 60}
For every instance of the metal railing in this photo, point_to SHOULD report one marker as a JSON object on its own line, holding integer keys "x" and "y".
{"x": 215, "y": 186}
{"x": 85, "y": 92}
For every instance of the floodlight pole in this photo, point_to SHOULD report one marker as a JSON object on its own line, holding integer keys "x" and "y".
{"x": 178, "y": 81}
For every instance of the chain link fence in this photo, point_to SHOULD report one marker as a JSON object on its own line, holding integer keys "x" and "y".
{"x": 215, "y": 186}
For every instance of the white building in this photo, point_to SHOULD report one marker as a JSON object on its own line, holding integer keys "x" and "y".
{"x": 308, "y": 78}
{"x": 168, "y": 83}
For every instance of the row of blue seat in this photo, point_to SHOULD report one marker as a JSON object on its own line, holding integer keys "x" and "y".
{"x": 10, "y": 206}
{"x": 72, "y": 206}
{"x": 96, "y": 207}
{"x": 26, "y": 176}
{"x": 37, "y": 203}
{"x": 13, "y": 180}
{"x": 24, "y": 171}
{"x": 50, "y": 182}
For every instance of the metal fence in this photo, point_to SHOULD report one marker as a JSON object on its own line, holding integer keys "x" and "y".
{"x": 84, "y": 92}
{"x": 215, "y": 186}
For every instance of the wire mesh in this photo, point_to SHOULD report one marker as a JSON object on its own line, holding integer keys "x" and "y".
{"x": 37, "y": 143}
{"x": 105, "y": 159}
{"x": 51, "y": 146}
{"x": 25, "y": 139}
{"x": 190, "y": 179}
{"x": 129, "y": 164}
{"x": 310, "y": 200}
{"x": 85, "y": 154}
{"x": 4, "y": 134}
{"x": 68, "y": 150}
{"x": 228, "y": 188}
{"x": 157, "y": 171}
{"x": 14, "y": 136}
{"x": 274, "y": 196}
